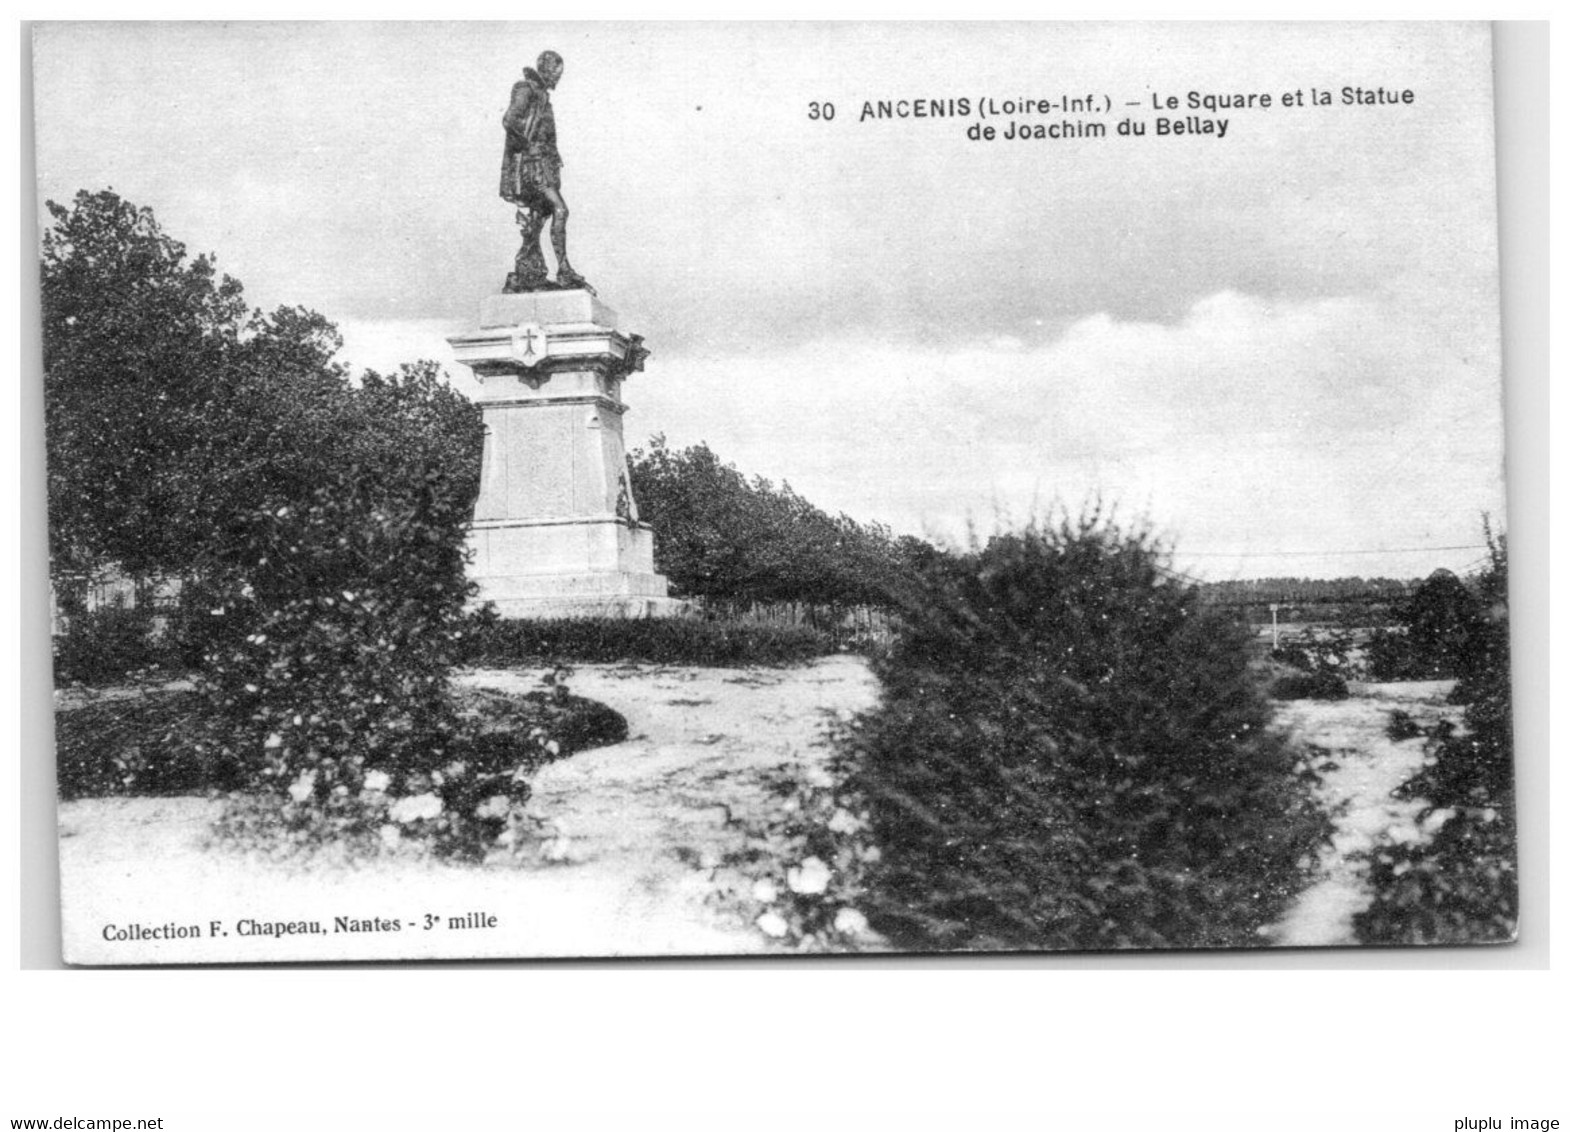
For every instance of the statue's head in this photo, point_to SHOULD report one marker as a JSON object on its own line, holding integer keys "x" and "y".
{"x": 549, "y": 67}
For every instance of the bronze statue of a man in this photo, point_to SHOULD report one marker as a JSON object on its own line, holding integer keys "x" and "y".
{"x": 531, "y": 178}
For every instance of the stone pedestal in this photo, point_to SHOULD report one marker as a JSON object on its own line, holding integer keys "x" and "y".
{"x": 556, "y": 530}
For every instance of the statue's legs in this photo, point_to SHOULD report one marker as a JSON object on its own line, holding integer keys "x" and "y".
{"x": 564, "y": 271}
{"x": 565, "y": 275}
{"x": 529, "y": 272}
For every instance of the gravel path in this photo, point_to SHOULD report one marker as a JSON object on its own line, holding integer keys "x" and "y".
{"x": 636, "y": 834}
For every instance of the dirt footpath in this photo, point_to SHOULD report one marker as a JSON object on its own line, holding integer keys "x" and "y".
{"x": 1358, "y": 766}
{"x": 636, "y": 835}
{"x": 652, "y": 819}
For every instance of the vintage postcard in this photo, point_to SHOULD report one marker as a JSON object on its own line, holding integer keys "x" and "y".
{"x": 570, "y": 490}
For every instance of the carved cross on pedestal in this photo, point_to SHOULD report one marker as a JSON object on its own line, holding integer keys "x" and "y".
{"x": 528, "y": 344}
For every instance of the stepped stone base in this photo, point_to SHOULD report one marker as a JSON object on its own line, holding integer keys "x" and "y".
{"x": 609, "y": 608}
{"x": 551, "y": 546}
{"x": 568, "y": 568}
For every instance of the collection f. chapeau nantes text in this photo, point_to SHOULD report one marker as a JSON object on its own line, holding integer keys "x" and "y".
{"x": 248, "y": 927}
{"x": 1093, "y": 115}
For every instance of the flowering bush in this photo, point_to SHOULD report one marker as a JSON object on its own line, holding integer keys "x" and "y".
{"x": 335, "y": 700}
{"x": 815, "y": 846}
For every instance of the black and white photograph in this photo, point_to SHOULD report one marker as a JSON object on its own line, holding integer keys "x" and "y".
{"x": 568, "y": 490}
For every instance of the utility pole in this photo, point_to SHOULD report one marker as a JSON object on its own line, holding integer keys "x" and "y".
{"x": 1275, "y": 630}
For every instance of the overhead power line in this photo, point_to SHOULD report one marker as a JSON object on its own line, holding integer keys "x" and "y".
{"x": 1321, "y": 553}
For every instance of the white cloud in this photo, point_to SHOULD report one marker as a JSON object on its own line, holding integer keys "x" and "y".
{"x": 384, "y": 345}
{"x": 1244, "y": 429}
{"x": 1247, "y": 427}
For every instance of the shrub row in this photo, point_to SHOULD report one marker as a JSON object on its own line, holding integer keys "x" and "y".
{"x": 1070, "y": 753}
{"x": 488, "y": 640}
{"x": 139, "y": 745}
{"x": 1322, "y": 685}
{"x": 108, "y": 645}
{"x": 111, "y": 644}
{"x": 1460, "y": 887}
{"x": 135, "y": 745}
{"x": 105, "y": 645}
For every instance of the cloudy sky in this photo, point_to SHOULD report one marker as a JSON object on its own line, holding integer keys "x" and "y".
{"x": 1280, "y": 345}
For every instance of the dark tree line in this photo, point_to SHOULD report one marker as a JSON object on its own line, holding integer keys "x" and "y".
{"x": 724, "y": 536}
{"x": 1305, "y": 591}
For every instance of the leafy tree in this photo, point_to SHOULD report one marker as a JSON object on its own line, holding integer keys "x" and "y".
{"x": 170, "y": 406}
{"x": 177, "y": 417}
{"x": 1442, "y": 620}
{"x": 135, "y": 336}
{"x": 722, "y": 535}
{"x": 1444, "y": 632}
{"x": 320, "y": 521}
{"x": 421, "y": 413}
{"x": 174, "y": 412}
